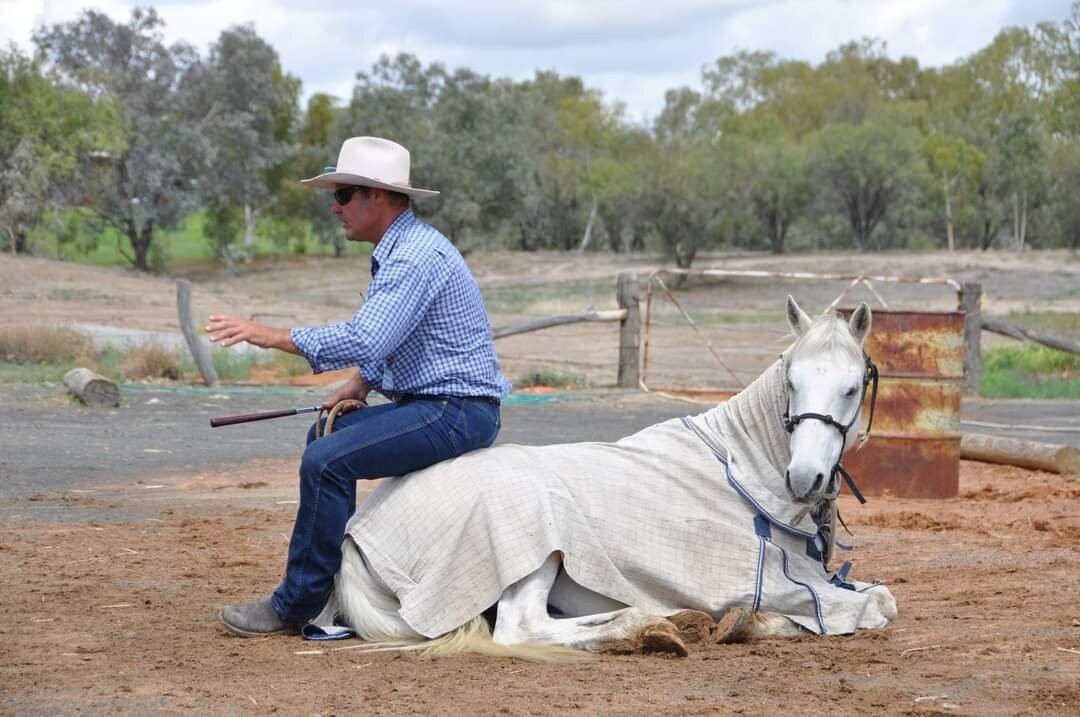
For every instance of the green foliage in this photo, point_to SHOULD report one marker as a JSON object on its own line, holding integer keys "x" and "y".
{"x": 859, "y": 150}
{"x": 1030, "y": 372}
{"x": 44, "y": 130}
{"x": 147, "y": 184}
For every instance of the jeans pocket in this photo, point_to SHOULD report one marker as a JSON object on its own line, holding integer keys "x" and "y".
{"x": 476, "y": 426}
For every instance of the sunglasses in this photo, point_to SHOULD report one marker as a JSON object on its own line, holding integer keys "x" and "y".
{"x": 344, "y": 195}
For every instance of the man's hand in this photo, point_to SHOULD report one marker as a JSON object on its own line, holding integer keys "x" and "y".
{"x": 226, "y": 331}
{"x": 356, "y": 387}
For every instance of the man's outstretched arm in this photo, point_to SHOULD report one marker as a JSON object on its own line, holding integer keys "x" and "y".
{"x": 227, "y": 330}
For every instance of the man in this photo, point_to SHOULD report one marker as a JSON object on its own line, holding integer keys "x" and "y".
{"x": 422, "y": 339}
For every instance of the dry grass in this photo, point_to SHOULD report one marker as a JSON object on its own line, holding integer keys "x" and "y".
{"x": 152, "y": 361}
{"x": 43, "y": 345}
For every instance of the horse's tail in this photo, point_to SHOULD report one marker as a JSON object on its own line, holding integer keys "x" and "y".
{"x": 474, "y": 637}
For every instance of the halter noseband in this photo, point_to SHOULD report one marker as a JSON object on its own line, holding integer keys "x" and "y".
{"x": 870, "y": 376}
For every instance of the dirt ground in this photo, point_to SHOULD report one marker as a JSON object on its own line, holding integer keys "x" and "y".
{"x": 119, "y": 616}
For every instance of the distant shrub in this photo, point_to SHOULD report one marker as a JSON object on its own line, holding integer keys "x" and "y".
{"x": 150, "y": 361}
{"x": 39, "y": 344}
{"x": 549, "y": 377}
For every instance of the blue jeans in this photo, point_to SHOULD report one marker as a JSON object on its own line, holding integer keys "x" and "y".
{"x": 387, "y": 440}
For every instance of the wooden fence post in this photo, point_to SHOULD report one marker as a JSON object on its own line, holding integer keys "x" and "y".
{"x": 627, "y": 293}
{"x": 199, "y": 350}
{"x": 971, "y": 305}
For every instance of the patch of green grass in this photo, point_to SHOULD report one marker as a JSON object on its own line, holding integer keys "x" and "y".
{"x": 232, "y": 365}
{"x": 1030, "y": 372}
{"x": 85, "y": 241}
{"x": 550, "y": 377}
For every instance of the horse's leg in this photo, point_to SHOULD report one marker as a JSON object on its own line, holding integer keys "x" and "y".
{"x": 883, "y": 600}
{"x": 368, "y": 606}
{"x": 573, "y": 600}
{"x": 523, "y": 617}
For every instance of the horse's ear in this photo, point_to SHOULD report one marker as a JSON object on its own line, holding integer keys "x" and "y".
{"x": 860, "y": 323}
{"x": 796, "y": 317}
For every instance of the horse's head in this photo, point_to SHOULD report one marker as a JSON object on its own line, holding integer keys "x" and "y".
{"x": 826, "y": 374}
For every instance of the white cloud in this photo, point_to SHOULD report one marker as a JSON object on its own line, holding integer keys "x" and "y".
{"x": 632, "y": 50}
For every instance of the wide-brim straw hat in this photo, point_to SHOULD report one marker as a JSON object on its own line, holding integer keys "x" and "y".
{"x": 371, "y": 162}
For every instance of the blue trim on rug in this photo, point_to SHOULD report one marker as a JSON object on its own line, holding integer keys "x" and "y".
{"x": 813, "y": 593}
{"x": 742, "y": 491}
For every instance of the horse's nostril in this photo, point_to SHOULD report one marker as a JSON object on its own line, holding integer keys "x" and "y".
{"x": 818, "y": 482}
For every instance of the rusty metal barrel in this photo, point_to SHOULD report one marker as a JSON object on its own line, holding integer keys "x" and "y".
{"x": 914, "y": 447}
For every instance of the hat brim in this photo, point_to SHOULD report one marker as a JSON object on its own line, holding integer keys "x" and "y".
{"x": 331, "y": 180}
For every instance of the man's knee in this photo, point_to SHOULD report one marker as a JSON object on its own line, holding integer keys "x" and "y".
{"x": 313, "y": 462}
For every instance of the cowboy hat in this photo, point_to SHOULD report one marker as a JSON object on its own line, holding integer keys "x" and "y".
{"x": 371, "y": 162}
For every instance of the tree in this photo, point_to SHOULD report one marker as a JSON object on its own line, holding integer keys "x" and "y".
{"x": 955, "y": 162}
{"x": 249, "y": 106}
{"x": 686, "y": 177}
{"x": 861, "y": 171}
{"x": 779, "y": 187}
{"x": 44, "y": 132}
{"x": 150, "y": 183}
{"x": 295, "y": 208}
{"x": 1019, "y": 160}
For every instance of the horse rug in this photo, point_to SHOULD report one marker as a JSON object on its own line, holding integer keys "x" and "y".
{"x": 690, "y": 513}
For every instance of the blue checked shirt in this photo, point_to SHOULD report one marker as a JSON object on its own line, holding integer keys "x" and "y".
{"x": 423, "y": 328}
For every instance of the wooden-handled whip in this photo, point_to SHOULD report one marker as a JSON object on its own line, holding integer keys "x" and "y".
{"x": 261, "y": 416}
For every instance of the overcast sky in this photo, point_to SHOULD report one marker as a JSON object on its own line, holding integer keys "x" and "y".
{"x": 632, "y": 50}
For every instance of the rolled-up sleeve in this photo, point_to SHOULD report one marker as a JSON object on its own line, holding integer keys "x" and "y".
{"x": 400, "y": 294}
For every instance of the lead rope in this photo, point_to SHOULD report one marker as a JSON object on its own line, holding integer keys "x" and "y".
{"x": 325, "y": 429}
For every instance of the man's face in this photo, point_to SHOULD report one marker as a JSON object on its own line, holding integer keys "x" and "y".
{"x": 360, "y": 217}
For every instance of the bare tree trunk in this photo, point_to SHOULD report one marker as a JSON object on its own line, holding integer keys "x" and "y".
{"x": 249, "y": 225}
{"x": 141, "y": 238}
{"x": 948, "y": 212}
{"x": 1023, "y": 221}
{"x": 588, "y": 228}
{"x": 1016, "y": 220}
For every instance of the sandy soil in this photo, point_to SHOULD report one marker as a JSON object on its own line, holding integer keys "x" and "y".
{"x": 119, "y": 618}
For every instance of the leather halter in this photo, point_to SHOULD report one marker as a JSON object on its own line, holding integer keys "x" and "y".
{"x": 870, "y": 376}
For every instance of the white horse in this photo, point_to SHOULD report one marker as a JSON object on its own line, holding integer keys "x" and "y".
{"x": 633, "y": 546}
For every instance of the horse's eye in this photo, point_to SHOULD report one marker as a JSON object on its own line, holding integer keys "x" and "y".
{"x": 850, "y": 392}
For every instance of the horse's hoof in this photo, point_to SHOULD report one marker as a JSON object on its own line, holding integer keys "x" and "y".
{"x": 693, "y": 625}
{"x": 662, "y": 638}
{"x": 733, "y": 627}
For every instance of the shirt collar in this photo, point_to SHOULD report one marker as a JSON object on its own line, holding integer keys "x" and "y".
{"x": 394, "y": 232}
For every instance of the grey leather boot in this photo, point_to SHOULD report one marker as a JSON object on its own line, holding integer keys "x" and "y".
{"x": 255, "y": 619}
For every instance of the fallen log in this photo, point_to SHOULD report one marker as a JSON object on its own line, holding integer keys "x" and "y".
{"x": 91, "y": 388}
{"x": 1016, "y": 452}
{"x": 1022, "y": 333}
{"x": 549, "y": 321}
